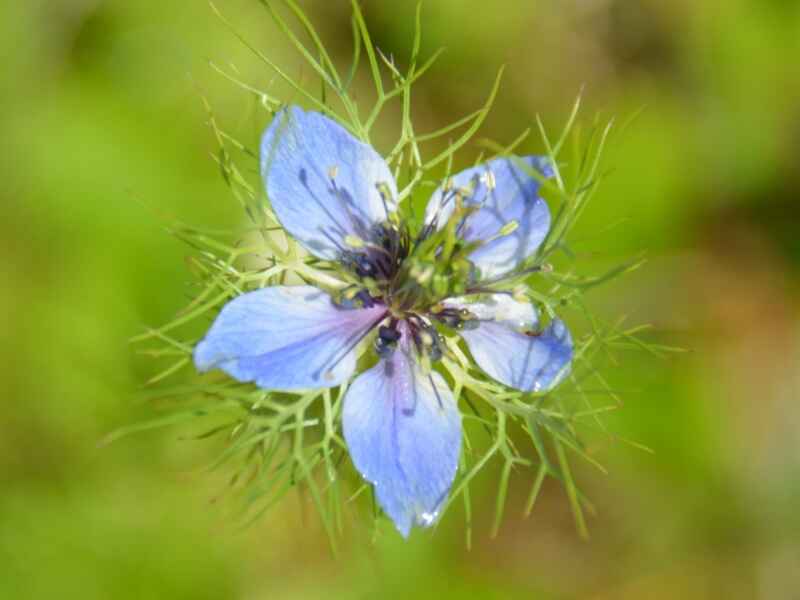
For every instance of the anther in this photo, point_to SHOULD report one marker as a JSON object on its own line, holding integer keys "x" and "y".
{"x": 467, "y": 320}
{"x": 470, "y": 324}
{"x": 353, "y": 241}
{"x": 509, "y": 228}
{"x": 435, "y": 351}
{"x": 388, "y": 334}
{"x": 429, "y": 341}
{"x": 505, "y": 230}
{"x": 384, "y": 190}
{"x": 426, "y": 338}
{"x": 450, "y": 320}
{"x": 386, "y": 195}
{"x": 422, "y": 275}
{"x": 386, "y": 342}
{"x": 365, "y": 299}
{"x": 489, "y": 180}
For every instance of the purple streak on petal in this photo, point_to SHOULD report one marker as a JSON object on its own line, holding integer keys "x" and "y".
{"x": 504, "y": 192}
{"x": 322, "y": 182}
{"x": 403, "y": 431}
{"x": 508, "y": 346}
{"x": 286, "y": 338}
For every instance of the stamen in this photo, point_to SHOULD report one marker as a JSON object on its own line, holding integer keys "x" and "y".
{"x": 389, "y": 334}
{"x": 509, "y": 228}
{"x": 471, "y": 323}
{"x": 452, "y": 318}
{"x": 365, "y": 299}
{"x": 342, "y": 196}
{"x": 483, "y": 288}
{"x": 427, "y": 340}
{"x": 385, "y": 193}
{"x": 354, "y": 241}
{"x": 355, "y": 297}
{"x": 378, "y": 255}
{"x": 386, "y": 342}
{"x": 489, "y": 180}
{"x": 350, "y": 345}
{"x": 421, "y": 275}
{"x": 449, "y": 192}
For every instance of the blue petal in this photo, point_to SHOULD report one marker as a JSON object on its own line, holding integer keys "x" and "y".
{"x": 286, "y": 338}
{"x": 504, "y": 192}
{"x": 508, "y": 346}
{"x": 403, "y": 430}
{"x": 322, "y": 182}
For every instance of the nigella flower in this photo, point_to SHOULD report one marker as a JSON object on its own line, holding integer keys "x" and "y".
{"x": 337, "y": 197}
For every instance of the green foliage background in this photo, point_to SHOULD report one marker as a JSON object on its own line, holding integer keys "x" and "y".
{"x": 103, "y": 141}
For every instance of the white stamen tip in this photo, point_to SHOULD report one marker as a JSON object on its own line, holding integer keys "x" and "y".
{"x": 489, "y": 180}
{"x": 333, "y": 172}
{"x": 509, "y": 228}
{"x": 353, "y": 241}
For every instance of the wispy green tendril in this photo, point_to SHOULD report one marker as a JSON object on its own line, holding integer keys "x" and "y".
{"x": 277, "y": 441}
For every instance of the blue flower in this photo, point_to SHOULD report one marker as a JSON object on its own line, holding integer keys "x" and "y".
{"x": 337, "y": 197}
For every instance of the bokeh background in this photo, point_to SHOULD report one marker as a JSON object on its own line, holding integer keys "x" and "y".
{"x": 103, "y": 136}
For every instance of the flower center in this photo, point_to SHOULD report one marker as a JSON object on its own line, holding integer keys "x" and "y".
{"x": 418, "y": 333}
{"x": 378, "y": 259}
{"x": 410, "y": 274}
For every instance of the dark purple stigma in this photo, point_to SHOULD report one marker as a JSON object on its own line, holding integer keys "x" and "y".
{"x": 387, "y": 339}
{"x": 382, "y": 254}
{"x": 456, "y": 318}
{"x": 426, "y": 340}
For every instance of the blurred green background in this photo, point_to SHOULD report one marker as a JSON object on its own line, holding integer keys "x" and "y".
{"x": 103, "y": 135}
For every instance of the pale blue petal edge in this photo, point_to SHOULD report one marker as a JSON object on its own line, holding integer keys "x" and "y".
{"x": 508, "y": 345}
{"x": 285, "y": 338}
{"x": 323, "y": 183}
{"x": 504, "y": 192}
{"x": 403, "y": 432}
